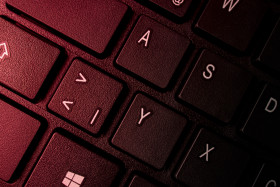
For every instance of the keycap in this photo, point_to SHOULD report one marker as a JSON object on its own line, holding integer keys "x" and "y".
{"x": 85, "y": 96}
{"x": 90, "y": 23}
{"x": 66, "y": 163}
{"x": 153, "y": 52}
{"x": 215, "y": 86}
{"x": 212, "y": 161}
{"x": 262, "y": 123}
{"x": 268, "y": 176}
{"x": 18, "y": 130}
{"x": 233, "y": 22}
{"x": 177, "y": 7}
{"x": 25, "y": 60}
{"x": 269, "y": 55}
{"x": 138, "y": 181}
{"x": 149, "y": 131}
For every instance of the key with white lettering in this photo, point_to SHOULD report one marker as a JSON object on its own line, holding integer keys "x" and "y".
{"x": 212, "y": 161}
{"x": 263, "y": 123}
{"x": 234, "y": 22}
{"x": 153, "y": 52}
{"x": 149, "y": 131}
{"x": 85, "y": 96}
{"x": 216, "y": 86}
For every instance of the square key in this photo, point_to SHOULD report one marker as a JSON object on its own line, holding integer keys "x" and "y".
{"x": 216, "y": 86}
{"x": 17, "y": 131}
{"x": 85, "y": 96}
{"x": 66, "y": 163}
{"x": 25, "y": 60}
{"x": 234, "y": 22}
{"x": 149, "y": 131}
{"x": 153, "y": 52}
{"x": 212, "y": 161}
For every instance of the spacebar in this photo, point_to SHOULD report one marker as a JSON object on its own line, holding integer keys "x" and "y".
{"x": 90, "y": 23}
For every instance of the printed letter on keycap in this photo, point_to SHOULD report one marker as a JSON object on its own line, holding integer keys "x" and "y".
{"x": 3, "y": 50}
{"x": 210, "y": 68}
{"x": 206, "y": 153}
{"x": 145, "y": 38}
{"x": 231, "y": 4}
{"x": 143, "y": 116}
{"x": 271, "y": 105}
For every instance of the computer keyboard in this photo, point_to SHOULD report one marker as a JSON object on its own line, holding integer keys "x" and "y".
{"x": 139, "y": 93}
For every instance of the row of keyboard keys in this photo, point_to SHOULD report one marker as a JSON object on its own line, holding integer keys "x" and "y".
{"x": 17, "y": 131}
{"x": 71, "y": 18}
{"x": 25, "y": 60}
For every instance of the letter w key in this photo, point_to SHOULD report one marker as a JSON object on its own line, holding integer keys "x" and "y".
{"x": 231, "y": 4}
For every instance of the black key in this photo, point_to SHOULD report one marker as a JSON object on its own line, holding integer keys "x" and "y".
{"x": 263, "y": 122}
{"x": 25, "y": 60}
{"x": 269, "y": 176}
{"x": 17, "y": 131}
{"x": 153, "y": 52}
{"x": 138, "y": 181}
{"x": 91, "y": 23}
{"x": 149, "y": 131}
{"x": 65, "y": 163}
{"x": 269, "y": 55}
{"x": 215, "y": 86}
{"x": 85, "y": 96}
{"x": 212, "y": 161}
{"x": 176, "y": 7}
{"x": 232, "y": 21}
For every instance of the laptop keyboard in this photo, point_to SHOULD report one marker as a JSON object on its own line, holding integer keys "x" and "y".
{"x": 139, "y": 93}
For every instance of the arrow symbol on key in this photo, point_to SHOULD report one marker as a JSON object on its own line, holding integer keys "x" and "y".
{"x": 81, "y": 78}
{"x": 67, "y": 103}
{"x": 3, "y": 50}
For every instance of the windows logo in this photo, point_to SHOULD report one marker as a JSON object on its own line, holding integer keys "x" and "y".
{"x": 72, "y": 180}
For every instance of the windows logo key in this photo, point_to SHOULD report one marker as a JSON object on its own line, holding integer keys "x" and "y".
{"x": 72, "y": 180}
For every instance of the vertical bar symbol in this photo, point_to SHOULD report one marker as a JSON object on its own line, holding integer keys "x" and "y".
{"x": 95, "y": 116}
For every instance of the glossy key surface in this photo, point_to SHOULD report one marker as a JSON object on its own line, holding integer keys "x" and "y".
{"x": 90, "y": 23}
